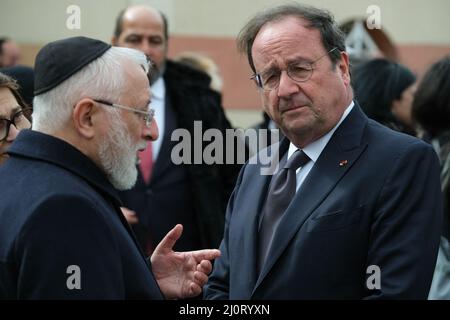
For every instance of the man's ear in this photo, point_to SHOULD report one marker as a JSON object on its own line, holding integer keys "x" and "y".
{"x": 83, "y": 116}
{"x": 344, "y": 67}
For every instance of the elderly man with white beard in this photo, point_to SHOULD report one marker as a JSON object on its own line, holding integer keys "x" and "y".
{"x": 62, "y": 234}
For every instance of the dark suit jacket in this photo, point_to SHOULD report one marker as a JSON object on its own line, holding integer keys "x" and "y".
{"x": 382, "y": 206}
{"x": 58, "y": 210}
{"x": 195, "y": 195}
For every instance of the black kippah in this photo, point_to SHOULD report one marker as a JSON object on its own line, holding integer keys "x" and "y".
{"x": 59, "y": 60}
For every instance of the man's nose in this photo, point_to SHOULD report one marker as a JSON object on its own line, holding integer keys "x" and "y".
{"x": 151, "y": 133}
{"x": 287, "y": 87}
{"x": 146, "y": 48}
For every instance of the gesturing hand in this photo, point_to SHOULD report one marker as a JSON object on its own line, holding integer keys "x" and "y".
{"x": 181, "y": 274}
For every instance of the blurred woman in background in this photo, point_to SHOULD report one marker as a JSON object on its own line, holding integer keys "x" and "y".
{"x": 13, "y": 114}
{"x": 431, "y": 110}
{"x": 385, "y": 91}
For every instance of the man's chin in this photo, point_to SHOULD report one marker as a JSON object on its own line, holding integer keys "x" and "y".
{"x": 298, "y": 127}
{"x": 125, "y": 187}
{"x": 125, "y": 182}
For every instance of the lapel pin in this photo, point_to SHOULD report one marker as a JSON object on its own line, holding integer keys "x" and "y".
{"x": 343, "y": 163}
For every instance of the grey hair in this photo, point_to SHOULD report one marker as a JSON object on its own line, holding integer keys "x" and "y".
{"x": 104, "y": 78}
{"x": 319, "y": 19}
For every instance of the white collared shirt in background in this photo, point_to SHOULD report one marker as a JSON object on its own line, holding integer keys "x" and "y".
{"x": 158, "y": 90}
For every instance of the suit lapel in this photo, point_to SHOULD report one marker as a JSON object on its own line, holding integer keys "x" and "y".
{"x": 339, "y": 155}
{"x": 247, "y": 228}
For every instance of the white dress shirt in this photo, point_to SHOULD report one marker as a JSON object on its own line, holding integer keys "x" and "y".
{"x": 158, "y": 90}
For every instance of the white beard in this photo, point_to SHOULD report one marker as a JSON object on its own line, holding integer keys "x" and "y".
{"x": 118, "y": 155}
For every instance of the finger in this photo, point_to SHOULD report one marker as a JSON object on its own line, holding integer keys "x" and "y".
{"x": 200, "y": 278}
{"x": 195, "y": 290}
{"x": 206, "y": 254}
{"x": 170, "y": 239}
{"x": 204, "y": 266}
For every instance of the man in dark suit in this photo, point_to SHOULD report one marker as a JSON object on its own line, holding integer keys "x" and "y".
{"x": 354, "y": 212}
{"x": 62, "y": 234}
{"x": 195, "y": 195}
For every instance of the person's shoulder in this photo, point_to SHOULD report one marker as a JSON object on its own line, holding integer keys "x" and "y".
{"x": 40, "y": 213}
{"x": 38, "y": 178}
{"x": 64, "y": 210}
{"x": 44, "y": 183}
{"x": 394, "y": 143}
{"x": 54, "y": 180}
{"x": 384, "y": 134}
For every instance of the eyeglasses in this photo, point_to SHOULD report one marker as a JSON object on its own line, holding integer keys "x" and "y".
{"x": 297, "y": 71}
{"x": 147, "y": 116}
{"x": 18, "y": 120}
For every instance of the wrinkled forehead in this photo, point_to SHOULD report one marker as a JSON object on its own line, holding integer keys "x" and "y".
{"x": 289, "y": 38}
